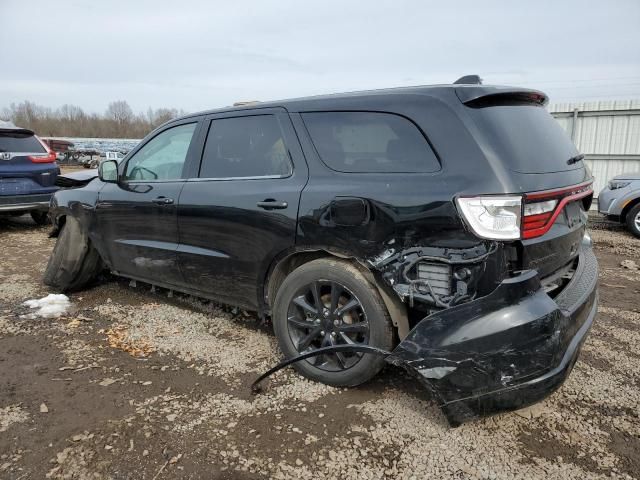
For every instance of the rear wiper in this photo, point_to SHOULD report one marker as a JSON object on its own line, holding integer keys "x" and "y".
{"x": 575, "y": 159}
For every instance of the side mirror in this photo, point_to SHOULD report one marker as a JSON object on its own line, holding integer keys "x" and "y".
{"x": 108, "y": 171}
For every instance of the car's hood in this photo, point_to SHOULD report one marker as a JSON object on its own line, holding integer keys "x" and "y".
{"x": 77, "y": 178}
{"x": 627, "y": 176}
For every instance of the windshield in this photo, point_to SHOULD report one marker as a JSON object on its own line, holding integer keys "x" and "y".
{"x": 526, "y": 137}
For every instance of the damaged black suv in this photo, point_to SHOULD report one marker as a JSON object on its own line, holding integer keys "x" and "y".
{"x": 438, "y": 228}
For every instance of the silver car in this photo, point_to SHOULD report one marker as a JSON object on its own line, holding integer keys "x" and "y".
{"x": 620, "y": 201}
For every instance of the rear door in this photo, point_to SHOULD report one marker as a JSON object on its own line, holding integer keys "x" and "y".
{"x": 241, "y": 210}
{"x": 138, "y": 216}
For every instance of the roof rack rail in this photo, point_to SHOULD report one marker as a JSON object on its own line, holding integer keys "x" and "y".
{"x": 245, "y": 102}
{"x": 469, "y": 80}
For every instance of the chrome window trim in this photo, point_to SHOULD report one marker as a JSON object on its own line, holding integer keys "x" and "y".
{"x": 256, "y": 177}
{"x": 197, "y": 179}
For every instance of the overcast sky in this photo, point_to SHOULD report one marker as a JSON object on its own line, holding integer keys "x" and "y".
{"x": 204, "y": 54}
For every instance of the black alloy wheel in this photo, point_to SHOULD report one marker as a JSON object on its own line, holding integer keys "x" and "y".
{"x": 325, "y": 313}
{"x": 330, "y": 302}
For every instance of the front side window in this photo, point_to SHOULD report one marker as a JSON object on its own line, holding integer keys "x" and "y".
{"x": 370, "y": 142}
{"x": 250, "y": 146}
{"x": 162, "y": 157}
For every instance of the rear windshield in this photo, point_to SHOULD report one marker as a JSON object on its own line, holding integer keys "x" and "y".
{"x": 526, "y": 137}
{"x": 370, "y": 142}
{"x": 20, "y": 143}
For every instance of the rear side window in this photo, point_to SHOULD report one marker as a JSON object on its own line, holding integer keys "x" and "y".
{"x": 20, "y": 143}
{"x": 368, "y": 142}
{"x": 250, "y": 146}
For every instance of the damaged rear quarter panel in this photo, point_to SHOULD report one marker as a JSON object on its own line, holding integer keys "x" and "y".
{"x": 372, "y": 217}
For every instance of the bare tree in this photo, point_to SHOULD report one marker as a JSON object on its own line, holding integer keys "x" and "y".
{"x": 71, "y": 121}
{"x": 120, "y": 111}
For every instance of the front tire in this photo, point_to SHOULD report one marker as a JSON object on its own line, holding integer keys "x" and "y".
{"x": 330, "y": 302}
{"x": 74, "y": 262}
{"x": 633, "y": 220}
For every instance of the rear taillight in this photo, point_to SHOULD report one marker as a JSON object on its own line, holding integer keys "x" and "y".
{"x": 493, "y": 217}
{"x": 514, "y": 217}
{"x": 49, "y": 157}
{"x": 542, "y": 208}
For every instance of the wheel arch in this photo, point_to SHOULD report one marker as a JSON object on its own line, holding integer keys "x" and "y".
{"x": 291, "y": 260}
{"x": 627, "y": 208}
{"x": 58, "y": 222}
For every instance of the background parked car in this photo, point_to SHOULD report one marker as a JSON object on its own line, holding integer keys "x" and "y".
{"x": 64, "y": 149}
{"x": 620, "y": 201}
{"x": 28, "y": 171}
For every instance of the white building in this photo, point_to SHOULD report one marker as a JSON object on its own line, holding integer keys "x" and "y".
{"x": 606, "y": 132}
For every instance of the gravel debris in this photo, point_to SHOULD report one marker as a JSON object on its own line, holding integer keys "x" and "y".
{"x": 196, "y": 410}
{"x": 619, "y": 242}
{"x": 17, "y": 287}
{"x": 215, "y": 344}
{"x": 10, "y": 415}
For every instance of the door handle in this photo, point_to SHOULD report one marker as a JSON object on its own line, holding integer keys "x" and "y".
{"x": 271, "y": 204}
{"x": 162, "y": 201}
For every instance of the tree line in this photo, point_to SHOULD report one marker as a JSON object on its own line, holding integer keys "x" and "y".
{"x": 118, "y": 120}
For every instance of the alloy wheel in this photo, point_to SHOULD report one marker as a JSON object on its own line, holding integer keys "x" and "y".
{"x": 323, "y": 314}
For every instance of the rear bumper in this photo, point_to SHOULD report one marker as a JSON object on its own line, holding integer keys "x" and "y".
{"x": 506, "y": 350}
{"x": 17, "y": 203}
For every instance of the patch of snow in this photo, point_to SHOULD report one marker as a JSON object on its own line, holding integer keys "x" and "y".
{"x": 53, "y": 305}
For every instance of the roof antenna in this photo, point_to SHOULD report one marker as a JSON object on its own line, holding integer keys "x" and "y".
{"x": 469, "y": 80}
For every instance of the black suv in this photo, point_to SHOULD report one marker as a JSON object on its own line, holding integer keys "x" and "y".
{"x": 440, "y": 228}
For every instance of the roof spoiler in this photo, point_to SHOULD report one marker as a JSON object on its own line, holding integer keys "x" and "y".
{"x": 17, "y": 131}
{"x": 478, "y": 97}
{"x": 9, "y": 127}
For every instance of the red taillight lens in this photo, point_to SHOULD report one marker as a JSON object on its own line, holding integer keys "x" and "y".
{"x": 536, "y": 221}
{"x": 49, "y": 157}
{"x": 542, "y": 208}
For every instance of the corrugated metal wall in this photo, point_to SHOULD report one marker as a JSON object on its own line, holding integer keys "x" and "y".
{"x": 607, "y": 132}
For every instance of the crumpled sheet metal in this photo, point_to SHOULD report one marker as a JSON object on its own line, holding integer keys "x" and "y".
{"x": 478, "y": 357}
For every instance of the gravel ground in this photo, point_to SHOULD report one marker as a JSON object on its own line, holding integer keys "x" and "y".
{"x": 133, "y": 384}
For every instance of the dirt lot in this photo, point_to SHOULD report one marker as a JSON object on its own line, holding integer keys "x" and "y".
{"x": 74, "y": 402}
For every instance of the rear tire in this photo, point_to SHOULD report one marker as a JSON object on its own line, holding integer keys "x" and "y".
{"x": 633, "y": 220}
{"x": 74, "y": 262}
{"x": 342, "y": 370}
{"x": 41, "y": 218}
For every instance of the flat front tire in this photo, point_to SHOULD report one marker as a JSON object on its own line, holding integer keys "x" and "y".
{"x": 330, "y": 302}
{"x": 41, "y": 218}
{"x": 74, "y": 262}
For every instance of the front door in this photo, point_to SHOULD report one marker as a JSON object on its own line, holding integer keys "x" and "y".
{"x": 137, "y": 217}
{"x": 242, "y": 209}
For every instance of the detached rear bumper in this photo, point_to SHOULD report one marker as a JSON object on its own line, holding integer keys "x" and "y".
{"x": 16, "y": 203}
{"x": 506, "y": 350}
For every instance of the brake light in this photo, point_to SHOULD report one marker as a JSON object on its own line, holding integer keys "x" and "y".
{"x": 514, "y": 217}
{"x": 49, "y": 157}
{"x": 542, "y": 208}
